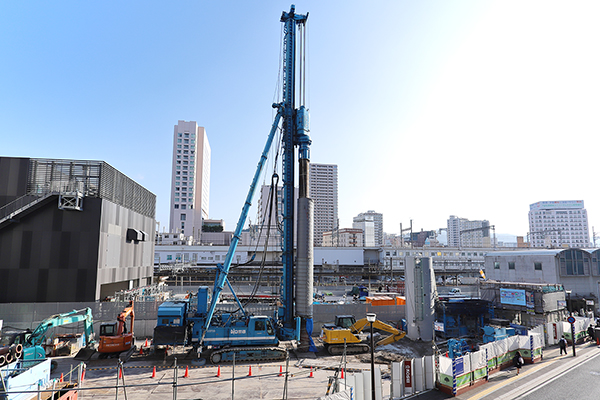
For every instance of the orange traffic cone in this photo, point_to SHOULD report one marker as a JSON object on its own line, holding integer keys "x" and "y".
{"x": 311, "y": 373}
{"x": 141, "y": 350}
{"x": 342, "y": 377}
{"x": 186, "y": 375}
{"x": 280, "y": 371}
{"x": 250, "y": 370}
{"x": 154, "y": 372}
{"x": 146, "y": 343}
{"x": 219, "y": 372}
{"x": 61, "y": 377}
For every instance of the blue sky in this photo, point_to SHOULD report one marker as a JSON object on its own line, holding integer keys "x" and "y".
{"x": 429, "y": 108}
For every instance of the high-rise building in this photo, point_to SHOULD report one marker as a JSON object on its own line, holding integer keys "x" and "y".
{"x": 558, "y": 224}
{"x": 323, "y": 189}
{"x": 376, "y": 237}
{"x": 465, "y": 233}
{"x": 190, "y": 179}
{"x": 366, "y": 224}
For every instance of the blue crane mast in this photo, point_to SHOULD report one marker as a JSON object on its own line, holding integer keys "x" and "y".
{"x": 246, "y": 336}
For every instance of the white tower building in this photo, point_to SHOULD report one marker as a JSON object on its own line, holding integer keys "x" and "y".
{"x": 558, "y": 224}
{"x": 190, "y": 179}
{"x": 323, "y": 189}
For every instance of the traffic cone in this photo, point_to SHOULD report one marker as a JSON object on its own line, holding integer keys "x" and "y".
{"x": 342, "y": 377}
{"x": 219, "y": 372}
{"x": 141, "y": 350}
{"x": 154, "y": 372}
{"x": 280, "y": 371}
{"x": 186, "y": 375}
{"x": 311, "y": 373}
{"x": 250, "y": 370}
{"x": 598, "y": 341}
{"x": 61, "y": 377}
{"x": 146, "y": 343}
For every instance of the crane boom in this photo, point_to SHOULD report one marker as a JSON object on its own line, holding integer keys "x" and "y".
{"x": 223, "y": 269}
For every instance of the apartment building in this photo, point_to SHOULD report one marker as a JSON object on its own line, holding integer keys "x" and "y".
{"x": 323, "y": 189}
{"x": 190, "y": 179}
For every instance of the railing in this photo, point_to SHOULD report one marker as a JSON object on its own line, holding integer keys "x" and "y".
{"x": 22, "y": 203}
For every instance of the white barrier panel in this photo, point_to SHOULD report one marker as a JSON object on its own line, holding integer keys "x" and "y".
{"x": 397, "y": 380}
{"x": 407, "y": 373}
{"x": 378, "y": 387}
{"x": 359, "y": 387}
{"x": 418, "y": 371}
{"x": 429, "y": 362}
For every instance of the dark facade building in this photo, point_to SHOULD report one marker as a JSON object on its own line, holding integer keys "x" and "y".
{"x": 72, "y": 230}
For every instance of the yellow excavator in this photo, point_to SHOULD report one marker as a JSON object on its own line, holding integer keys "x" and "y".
{"x": 347, "y": 328}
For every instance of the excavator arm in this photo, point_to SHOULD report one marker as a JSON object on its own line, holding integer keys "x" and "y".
{"x": 127, "y": 312}
{"x": 395, "y": 334}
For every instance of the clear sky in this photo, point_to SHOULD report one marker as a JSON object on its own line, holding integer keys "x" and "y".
{"x": 429, "y": 108}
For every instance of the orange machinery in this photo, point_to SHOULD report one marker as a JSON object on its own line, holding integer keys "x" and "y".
{"x": 114, "y": 337}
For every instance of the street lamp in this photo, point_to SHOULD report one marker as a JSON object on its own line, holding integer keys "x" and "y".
{"x": 571, "y": 320}
{"x": 371, "y": 317}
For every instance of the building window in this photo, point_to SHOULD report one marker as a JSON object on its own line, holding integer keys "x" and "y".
{"x": 176, "y": 206}
{"x": 511, "y": 265}
{"x": 496, "y": 265}
{"x": 537, "y": 266}
{"x": 182, "y": 217}
{"x": 183, "y": 206}
{"x": 169, "y": 257}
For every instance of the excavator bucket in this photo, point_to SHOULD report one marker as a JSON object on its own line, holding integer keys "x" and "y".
{"x": 84, "y": 354}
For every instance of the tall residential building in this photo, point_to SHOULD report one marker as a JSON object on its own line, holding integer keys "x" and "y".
{"x": 190, "y": 179}
{"x": 377, "y": 235}
{"x": 323, "y": 189}
{"x": 465, "y": 233}
{"x": 366, "y": 224}
{"x": 558, "y": 224}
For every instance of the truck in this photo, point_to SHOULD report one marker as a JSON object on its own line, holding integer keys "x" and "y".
{"x": 256, "y": 337}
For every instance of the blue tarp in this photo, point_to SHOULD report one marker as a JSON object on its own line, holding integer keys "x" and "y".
{"x": 309, "y": 330}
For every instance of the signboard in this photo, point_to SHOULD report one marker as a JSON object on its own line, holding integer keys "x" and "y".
{"x": 589, "y": 302}
{"x": 513, "y": 296}
{"x": 438, "y": 326}
{"x": 407, "y": 373}
{"x": 459, "y": 366}
{"x": 529, "y": 299}
{"x": 562, "y": 304}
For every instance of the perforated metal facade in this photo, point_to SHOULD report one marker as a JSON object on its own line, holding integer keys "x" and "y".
{"x": 94, "y": 179}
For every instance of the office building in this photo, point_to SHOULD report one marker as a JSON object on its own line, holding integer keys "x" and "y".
{"x": 558, "y": 224}
{"x": 323, "y": 189}
{"x": 72, "y": 231}
{"x": 190, "y": 179}
{"x": 465, "y": 233}
{"x": 373, "y": 233}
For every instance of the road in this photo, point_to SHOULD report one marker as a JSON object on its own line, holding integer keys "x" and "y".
{"x": 579, "y": 382}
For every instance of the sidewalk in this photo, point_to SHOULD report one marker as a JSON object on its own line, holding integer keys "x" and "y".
{"x": 506, "y": 384}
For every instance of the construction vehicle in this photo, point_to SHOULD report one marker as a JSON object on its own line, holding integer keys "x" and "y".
{"x": 31, "y": 342}
{"x": 114, "y": 338}
{"x": 344, "y": 334}
{"x": 248, "y": 337}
